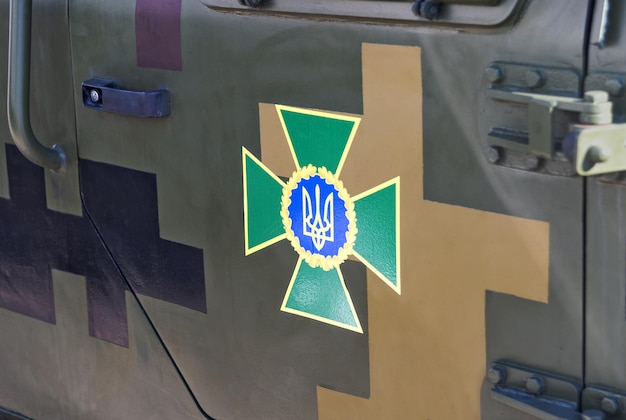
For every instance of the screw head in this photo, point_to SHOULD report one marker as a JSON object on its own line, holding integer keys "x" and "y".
{"x": 535, "y": 78}
{"x": 493, "y": 154}
{"x": 494, "y": 74}
{"x": 94, "y": 95}
{"x": 614, "y": 87}
{"x": 496, "y": 375}
{"x": 534, "y": 385}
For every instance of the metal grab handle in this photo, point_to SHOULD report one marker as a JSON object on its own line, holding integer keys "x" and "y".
{"x": 18, "y": 91}
{"x": 106, "y": 95}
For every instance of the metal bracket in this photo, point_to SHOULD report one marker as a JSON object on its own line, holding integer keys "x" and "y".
{"x": 540, "y": 394}
{"x": 610, "y": 402}
{"x": 582, "y": 132}
{"x": 594, "y": 108}
{"x": 597, "y": 150}
{"x": 515, "y": 94}
{"x": 615, "y": 85}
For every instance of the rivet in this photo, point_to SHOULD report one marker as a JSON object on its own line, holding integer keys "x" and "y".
{"x": 496, "y": 375}
{"x": 494, "y": 74}
{"x": 493, "y": 154}
{"x": 596, "y": 96}
{"x": 610, "y": 405}
{"x": 535, "y": 78}
{"x": 534, "y": 385}
{"x": 614, "y": 87}
{"x": 94, "y": 95}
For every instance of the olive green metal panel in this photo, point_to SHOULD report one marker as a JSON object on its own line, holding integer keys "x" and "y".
{"x": 58, "y": 371}
{"x": 51, "y": 98}
{"x": 245, "y": 358}
{"x": 50, "y": 365}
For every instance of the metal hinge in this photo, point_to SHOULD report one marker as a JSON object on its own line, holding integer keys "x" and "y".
{"x": 549, "y": 396}
{"x": 542, "y": 395}
{"x": 578, "y": 133}
{"x": 611, "y": 402}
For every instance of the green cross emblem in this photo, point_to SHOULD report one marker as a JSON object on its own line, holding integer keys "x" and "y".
{"x": 315, "y": 212}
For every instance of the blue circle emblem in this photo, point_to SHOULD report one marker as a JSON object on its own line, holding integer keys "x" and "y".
{"x": 318, "y": 216}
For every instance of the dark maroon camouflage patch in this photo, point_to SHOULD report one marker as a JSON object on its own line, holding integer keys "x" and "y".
{"x": 157, "y": 32}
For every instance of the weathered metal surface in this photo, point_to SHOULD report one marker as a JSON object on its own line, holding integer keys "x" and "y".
{"x": 490, "y": 257}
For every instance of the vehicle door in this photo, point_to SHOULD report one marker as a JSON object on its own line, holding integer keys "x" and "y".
{"x": 605, "y": 322}
{"x": 55, "y": 273}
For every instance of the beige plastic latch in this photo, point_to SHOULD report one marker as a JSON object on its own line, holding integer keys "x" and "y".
{"x": 597, "y": 149}
{"x": 595, "y": 146}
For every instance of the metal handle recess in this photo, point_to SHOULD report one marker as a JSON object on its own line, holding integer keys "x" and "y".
{"x": 18, "y": 101}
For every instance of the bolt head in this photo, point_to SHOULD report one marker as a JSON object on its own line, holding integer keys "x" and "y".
{"x": 535, "y": 78}
{"x": 610, "y": 405}
{"x": 493, "y": 154}
{"x": 614, "y": 87}
{"x": 534, "y": 385}
{"x": 496, "y": 375}
{"x": 494, "y": 74}
{"x": 94, "y": 95}
{"x": 596, "y": 96}
{"x": 427, "y": 9}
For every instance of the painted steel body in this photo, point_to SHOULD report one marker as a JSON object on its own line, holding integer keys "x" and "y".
{"x": 159, "y": 278}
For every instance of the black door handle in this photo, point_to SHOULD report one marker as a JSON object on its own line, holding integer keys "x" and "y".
{"x": 106, "y": 95}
